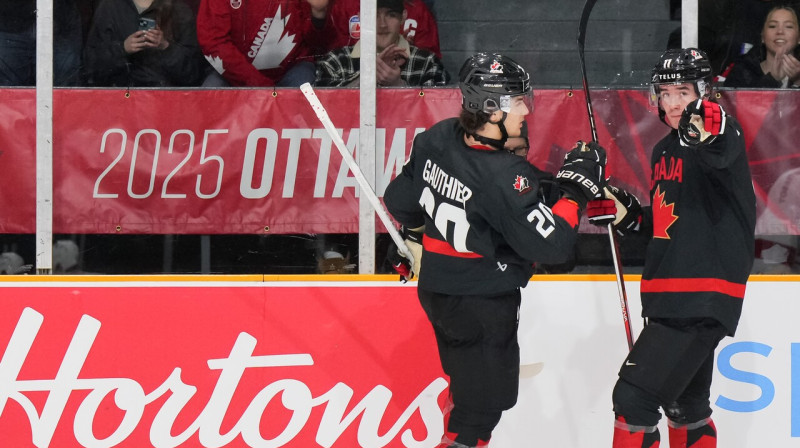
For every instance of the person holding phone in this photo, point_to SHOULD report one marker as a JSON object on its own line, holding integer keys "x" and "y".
{"x": 143, "y": 43}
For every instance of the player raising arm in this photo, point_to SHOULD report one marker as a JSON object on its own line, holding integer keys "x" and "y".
{"x": 702, "y": 220}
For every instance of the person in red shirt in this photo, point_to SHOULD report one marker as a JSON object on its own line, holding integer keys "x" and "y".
{"x": 261, "y": 42}
{"x": 419, "y": 29}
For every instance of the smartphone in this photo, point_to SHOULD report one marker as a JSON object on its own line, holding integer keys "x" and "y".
{"x": 146, "y": 24}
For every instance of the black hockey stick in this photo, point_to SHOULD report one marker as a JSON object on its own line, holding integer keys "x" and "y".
{"x": 623, "y": 298}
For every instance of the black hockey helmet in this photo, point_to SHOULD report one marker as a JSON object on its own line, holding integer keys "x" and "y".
{"x": 488, "y": 82}
{"x": 680, "y": 65}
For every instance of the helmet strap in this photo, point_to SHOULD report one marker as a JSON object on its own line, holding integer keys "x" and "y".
{"x": 662, "y": 115}
{"x": 493, "y": 142}
{"x": 497, "y": 143}
{"x": 502, "y": 125}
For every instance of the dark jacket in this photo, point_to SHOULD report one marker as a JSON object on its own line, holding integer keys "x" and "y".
{"x": 107, "y": 63}
{"x": 746, "y": 72}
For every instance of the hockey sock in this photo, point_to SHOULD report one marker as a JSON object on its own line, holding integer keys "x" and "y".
{"x": 449, "y": 441}
{"x": 701, "y": 434}
{"x": 451, "y": 444}
{"x": 634, "y": 436}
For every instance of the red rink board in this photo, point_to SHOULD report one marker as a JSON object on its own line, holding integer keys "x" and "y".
{"x": 95, "y": 365}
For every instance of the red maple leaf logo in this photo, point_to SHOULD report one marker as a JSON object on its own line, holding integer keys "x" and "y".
{"x": 663, "y": 215}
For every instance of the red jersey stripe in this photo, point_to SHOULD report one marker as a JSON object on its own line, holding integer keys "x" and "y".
{"x": 444, "y": 248}
{"x": 694, "y": 285}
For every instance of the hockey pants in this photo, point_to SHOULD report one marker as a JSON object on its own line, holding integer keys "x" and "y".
{"x": 477, "y": 341}
{"x": 669, "y": 367}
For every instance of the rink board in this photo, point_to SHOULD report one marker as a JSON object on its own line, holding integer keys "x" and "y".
{"x": 256, "y": 361}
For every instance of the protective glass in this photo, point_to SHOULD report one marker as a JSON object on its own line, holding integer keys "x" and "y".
{"x": 517, "y": 104}
{"x": 701, "y": 85}
{"x": 654, "y": 89}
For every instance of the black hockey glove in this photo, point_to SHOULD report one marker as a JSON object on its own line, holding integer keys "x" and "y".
{"x": 401, "y": 264}
{"x": 628, "y": 216}
{"x": 702, "y": 121}
{"x": 581, "y": 177}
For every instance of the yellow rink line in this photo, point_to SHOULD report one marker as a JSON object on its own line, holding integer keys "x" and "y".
{"x": 320, "y": 278}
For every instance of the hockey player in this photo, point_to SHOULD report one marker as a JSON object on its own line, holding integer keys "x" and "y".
{"x": 702, "y": 219}
{"x": 484, "y": 225}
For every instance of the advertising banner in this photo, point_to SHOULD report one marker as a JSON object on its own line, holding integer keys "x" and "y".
{"x": 343, "y": 364}
{"x": 244, "y": 161}
{"x": 217, "y": 365}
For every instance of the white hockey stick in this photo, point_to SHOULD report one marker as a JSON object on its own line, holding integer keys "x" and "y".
{"x": 366, "y": 189}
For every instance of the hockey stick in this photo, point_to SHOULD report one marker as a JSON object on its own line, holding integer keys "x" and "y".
{"x": 366, "y": 189}
{"x": 623, "y": 298}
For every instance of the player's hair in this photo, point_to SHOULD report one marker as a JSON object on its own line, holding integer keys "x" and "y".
{"x": 472, "y": 121}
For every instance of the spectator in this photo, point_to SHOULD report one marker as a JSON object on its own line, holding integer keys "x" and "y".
{"x": 778, "y": 227}
{"x": 265, "y": 43}
{"x": 775, "y": 63}
{"x": 398, "y": 63}
{"x": 143, "y": 43}
{"x": 11, "y": 263}
{"x": 18, "y": 48}
{"x": 419, "y": 27}
{"x": 333, "y": 262}
{"x": 65, "y": 257}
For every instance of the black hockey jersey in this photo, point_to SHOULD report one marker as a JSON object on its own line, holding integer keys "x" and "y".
{"x": 703, "y": 216}
{"x": 485, "y": 223}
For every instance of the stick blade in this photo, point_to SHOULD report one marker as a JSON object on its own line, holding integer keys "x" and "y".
{"x": 530, "y": 370}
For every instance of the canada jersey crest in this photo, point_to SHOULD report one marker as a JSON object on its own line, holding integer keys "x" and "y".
{"x": 521, "y": 184}
{"x": 663, "y": 215}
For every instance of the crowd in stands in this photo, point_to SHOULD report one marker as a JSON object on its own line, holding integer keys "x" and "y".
{"x": 285, "y": 43}
{"x": 218, "y": 43}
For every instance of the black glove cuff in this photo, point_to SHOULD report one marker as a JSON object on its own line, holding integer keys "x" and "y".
{"x": 411, "y": 235}
{"x": 571, "y": 191}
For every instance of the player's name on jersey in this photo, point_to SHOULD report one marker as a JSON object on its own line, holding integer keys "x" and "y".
{"x": 445, "y": 184}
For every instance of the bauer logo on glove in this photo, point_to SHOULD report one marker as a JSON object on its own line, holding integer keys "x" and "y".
{"x": 701, "y": 122}
{"x": 581, "y": 176}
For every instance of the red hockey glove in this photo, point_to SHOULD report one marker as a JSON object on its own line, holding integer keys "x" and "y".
{"x": 581, "y": 177}
{"x": 701, "y": 122}
{"x": 601, "y": 212}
